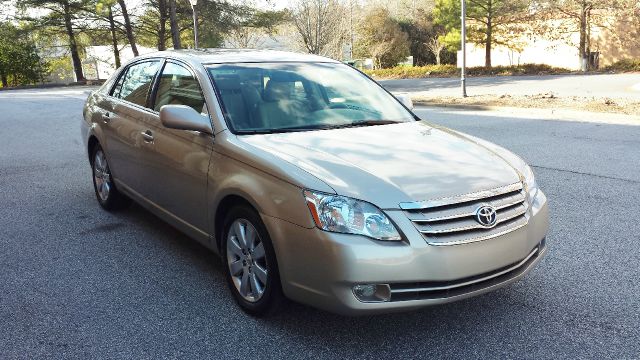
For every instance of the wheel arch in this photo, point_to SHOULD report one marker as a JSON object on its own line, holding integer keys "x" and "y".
{"x": 91, "y": 145}
{"x": 226, "y": 203}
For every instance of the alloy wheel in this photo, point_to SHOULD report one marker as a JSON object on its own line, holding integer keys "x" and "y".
{"x": 101, "y": 175}
{"x": 246, "y": 260}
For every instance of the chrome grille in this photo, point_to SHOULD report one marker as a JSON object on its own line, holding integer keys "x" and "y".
{"x": 450, "y": 221}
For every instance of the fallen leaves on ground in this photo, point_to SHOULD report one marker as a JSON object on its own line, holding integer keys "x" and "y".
{"x": 540, "y": 101}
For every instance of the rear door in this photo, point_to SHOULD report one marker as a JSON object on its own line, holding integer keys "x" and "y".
{"x": 176, "y": 162}
{"x": 125, "y": 111}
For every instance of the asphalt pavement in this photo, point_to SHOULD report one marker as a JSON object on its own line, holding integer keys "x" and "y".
{"x": 78, "y": 282}
{"x": 613, "y": 86}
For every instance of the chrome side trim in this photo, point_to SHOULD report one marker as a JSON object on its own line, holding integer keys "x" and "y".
{"x": 419, "y": 205}
{"x": 471, "y": 282}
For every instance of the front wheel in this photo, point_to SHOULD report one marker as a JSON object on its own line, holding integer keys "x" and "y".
{"x": 251, "y": 268}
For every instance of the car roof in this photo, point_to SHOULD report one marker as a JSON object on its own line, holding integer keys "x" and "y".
{"x": 220, "y": 56}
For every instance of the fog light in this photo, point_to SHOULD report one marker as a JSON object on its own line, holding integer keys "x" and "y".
{"x": 372, "y": 292}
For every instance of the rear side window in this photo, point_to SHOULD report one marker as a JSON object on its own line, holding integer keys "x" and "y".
{"x": 177, "y": 86}
{"x": 134, "y": 85}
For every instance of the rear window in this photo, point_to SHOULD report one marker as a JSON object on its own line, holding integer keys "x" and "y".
{"x": 134, "y": 85}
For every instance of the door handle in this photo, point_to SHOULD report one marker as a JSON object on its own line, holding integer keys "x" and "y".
{"x": 147, "y": 135}
{"x": 105, "y": 118}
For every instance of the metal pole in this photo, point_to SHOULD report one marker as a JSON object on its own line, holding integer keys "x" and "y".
{"x": 463, "y": 40}
{"x": 195, "y": 27}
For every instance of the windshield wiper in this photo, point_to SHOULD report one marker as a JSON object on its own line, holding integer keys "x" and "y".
{"x": 363, "y": 123}
{"x": 282, "y": 130}
{"x": 316, "y": 127}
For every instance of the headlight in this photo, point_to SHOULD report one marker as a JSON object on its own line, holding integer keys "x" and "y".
{"x": 350, "y": 216}
{"x": 530, "y": 183}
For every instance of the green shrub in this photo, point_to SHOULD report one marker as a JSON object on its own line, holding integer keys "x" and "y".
{"x": 402, "y": 72}
{"x": 624, "y": 65}
{"x": 525, "y": 69}
{"x": 406, "y": 72}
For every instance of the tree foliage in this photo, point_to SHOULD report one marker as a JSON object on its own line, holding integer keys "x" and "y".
{"x": 20, "y": 63}
{"x": 382, "y": 38}
{"x": 422, "y": 31}
{"x": 560, "y": 19}
{"x": 67, "y": 17}
{"x": 250, "y": 32}
{"x": 491, "y": 21}
{"x": 429, "y": 30}
{"x": 320, "y": 25}
{"x": 446, "y": 14}
{"x": 216, "y": 19}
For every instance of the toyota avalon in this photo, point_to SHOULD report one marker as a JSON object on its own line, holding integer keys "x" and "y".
{"x": 311, "y": 181}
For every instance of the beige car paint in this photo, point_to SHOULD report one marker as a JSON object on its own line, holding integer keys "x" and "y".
{"x": 370, "y": 164}
{"x": 188, "y": 178}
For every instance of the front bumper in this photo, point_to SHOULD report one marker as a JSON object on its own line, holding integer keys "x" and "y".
{"x": 320, "y": 268}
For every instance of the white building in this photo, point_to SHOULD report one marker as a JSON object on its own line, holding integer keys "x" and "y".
{"x": 99, "y": 62}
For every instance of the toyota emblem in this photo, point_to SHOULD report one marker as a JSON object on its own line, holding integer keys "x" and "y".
{"x": 486, "y": 216}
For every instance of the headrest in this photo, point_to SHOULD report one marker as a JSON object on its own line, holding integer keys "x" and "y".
{"x": 227, "y": 82}
{"x": 277, "y": 90}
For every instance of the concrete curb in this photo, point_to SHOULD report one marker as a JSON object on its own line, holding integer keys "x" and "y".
{"x": 53, "y": 86}
{"x": 541, "y": 113}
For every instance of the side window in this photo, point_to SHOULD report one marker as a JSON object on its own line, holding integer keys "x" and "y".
{"x": 178, "y": 87}
{"x": 135, "y": 84}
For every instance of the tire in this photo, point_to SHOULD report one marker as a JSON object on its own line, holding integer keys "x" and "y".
{"x": 105, "y": 188}
{"x": 253, "y": 279}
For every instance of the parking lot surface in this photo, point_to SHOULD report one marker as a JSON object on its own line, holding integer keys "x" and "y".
{"x": 612, "y": 86}
{"x": 78, "y": 282}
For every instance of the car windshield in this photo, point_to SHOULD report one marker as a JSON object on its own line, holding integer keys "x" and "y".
{"x": 281, "y": 97}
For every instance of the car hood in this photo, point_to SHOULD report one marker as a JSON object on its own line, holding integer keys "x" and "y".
{"x": 390, "y": 164}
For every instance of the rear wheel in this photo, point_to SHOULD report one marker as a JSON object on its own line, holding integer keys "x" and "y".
{"x": 251, "y": 268}
{"x": 106, "y": 192}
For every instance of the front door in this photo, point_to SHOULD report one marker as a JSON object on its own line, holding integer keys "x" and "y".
{"x": 176, "y": 162}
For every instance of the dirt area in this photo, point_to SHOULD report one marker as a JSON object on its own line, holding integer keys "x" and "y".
{"x": 539, "y": 101}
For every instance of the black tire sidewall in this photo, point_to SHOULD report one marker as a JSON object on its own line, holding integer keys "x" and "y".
{"x": 115, "y": 200}
{"x": 272, "y": 296}
{"x": 107, "y": 204}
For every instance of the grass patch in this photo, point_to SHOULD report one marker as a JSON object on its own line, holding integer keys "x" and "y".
{"x": 624, "y": 65}
{"x": 539, "y": 101}
{"x": 408, "y": 72}
{"x": 404, "y": 72}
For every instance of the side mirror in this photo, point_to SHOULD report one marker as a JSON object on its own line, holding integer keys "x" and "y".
{"x": 405, "y": 100}
{"x": 182, "y": 117}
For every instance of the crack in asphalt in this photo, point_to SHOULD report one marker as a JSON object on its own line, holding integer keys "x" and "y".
{"x": 587, "y": 174}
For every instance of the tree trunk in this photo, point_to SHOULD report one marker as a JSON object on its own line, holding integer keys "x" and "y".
{"x": 583, "y": 38}
{"x": 173, "y": 21}
{"x": 128, "y": 28}
{"x": 162, "y": 26}
{"x": 3, "y": 77}
{"x": 487, "y": 45}
{"x": 114, "y": 39}
{"x": 438, "y": 57}
{"x": 73, "y": 46}
{"x": 587, "y": 45}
